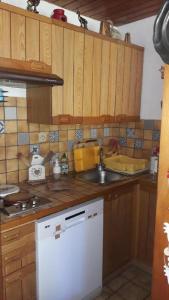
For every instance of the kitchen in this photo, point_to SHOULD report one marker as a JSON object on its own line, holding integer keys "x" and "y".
{"x": 58, "y": 125}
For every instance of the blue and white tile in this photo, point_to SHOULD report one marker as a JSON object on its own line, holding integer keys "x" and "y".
{"x": 23, "y": 138}
{"x": 79, "y": 134}
{"x": 54, "y": 136}
{"x": 122, "y": 141}
{"x": 2, "y": 127}
{"x": 148, "y": 124}
{"x": 156, "y": 135}
{"x": 93, "y": 133}
{"x": 138, "y": 144}
{"x": 10, "y": 113}
{"x": 70, "y": 145}
{"x": 35, "y": 148}
{"x": 130, "y": 132}
{"x": 106, "y": 131}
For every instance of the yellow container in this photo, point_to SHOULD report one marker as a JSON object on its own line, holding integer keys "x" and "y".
{"x": 126, "y": 164}
{"x": 86, "y": 158}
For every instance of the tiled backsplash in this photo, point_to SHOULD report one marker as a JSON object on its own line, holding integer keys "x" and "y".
{"x": 16, "y": 135}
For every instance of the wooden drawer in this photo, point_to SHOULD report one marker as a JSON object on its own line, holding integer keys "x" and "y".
{"x": 17, "y": 233}
{"x": 17, "y": 259}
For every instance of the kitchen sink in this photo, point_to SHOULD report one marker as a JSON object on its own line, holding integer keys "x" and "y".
{"x": 101, "y": 177}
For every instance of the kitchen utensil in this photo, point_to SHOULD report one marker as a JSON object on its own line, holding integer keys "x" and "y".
{"x": 7, "y": 189}
{"x": 17, "y": 198}
{"x": 23, "y": 159}
{"x": 48, "y": 157}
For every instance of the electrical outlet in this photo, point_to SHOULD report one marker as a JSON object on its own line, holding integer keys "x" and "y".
{"x": 42, "y": 137}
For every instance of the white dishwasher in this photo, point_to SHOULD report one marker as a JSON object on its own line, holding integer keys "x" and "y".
{"x": 69, "y": 251}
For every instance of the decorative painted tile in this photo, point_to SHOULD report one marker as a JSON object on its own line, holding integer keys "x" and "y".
{"x": 54, "y": 136}
{"x": 35, "y": 148}
{"x": 106, "y": 131}
{"x": 138, "y": 144}
{"x": 93, "y": 133}
{"x": 148, "y": 124}
{"x": 122, "y": 141}
{"x": 70, "y": 145}
{"x": 2, "y": 127}
{"x": 130, "y": 132}
{"x": 156, "y": 135}
{"x": 79, "y": 134}
{"x": 23, "y": 138}
{"x": 10, "y": 113}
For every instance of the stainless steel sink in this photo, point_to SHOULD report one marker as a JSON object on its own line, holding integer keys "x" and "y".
{"x": 101, "y": 177}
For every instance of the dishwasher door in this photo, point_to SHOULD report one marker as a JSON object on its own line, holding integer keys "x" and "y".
{"x": 69, "y": 250}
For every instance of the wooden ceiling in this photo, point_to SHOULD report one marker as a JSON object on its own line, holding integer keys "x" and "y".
{"x": 119, "y": 11}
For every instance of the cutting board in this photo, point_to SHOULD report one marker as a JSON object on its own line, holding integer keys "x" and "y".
{"x": 86, "y": 158}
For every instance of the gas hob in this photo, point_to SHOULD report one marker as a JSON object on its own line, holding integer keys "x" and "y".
{"x": 25, "y": 206}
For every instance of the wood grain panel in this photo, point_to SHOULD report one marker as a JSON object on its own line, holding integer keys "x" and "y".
{"x": 133, "y": 78}
{"x": 32, "y": 39}
{"x": 46, "y": 43}
{"x": 13, "y": 286}
{"x": 57, "y": 68}
{"x": 112, "y": 79}
{"x": 139, "y": 77}
{"x": 96, "y": 88}
{"x": 126, "y": 80}
{"x": 88, "y": 75}
{"x": 68, "y": 71}
{"x": 5, "y": 34}
{"x": 119, "y": 80}
{"x": 160, "y": 287}
{"x": 78, "y": 73}
{"x": 17, "y": 36}
{"x": 105, "y": 66}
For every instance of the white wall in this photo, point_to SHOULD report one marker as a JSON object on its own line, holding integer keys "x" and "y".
{"x": 141, "y": 34}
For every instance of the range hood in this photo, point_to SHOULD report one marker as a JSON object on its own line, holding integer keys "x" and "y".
{"x": 27, "y": 74}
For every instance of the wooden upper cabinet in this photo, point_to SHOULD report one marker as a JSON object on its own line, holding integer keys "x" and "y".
{"x": 96, "y": 87}
{"x": 32, "y": 39}
{"x": 46, "y": 43}
{"x": 17, "y": 36}
{"x": 57, "y": 68}
{"x": 105, "y": 70}
{"x": 112, "y": 79}
{"x": 5, "y": 45}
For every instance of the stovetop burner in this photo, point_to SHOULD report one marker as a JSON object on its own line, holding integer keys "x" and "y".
{"x": 24, "y": 206}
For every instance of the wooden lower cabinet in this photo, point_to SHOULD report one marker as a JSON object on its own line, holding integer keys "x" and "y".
{"x": 118, "y": 228}
{"x": 147, "y": 212}
{"x": 18, "y": 275}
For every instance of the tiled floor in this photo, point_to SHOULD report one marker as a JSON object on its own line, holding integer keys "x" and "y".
{"x": 132, "y": 283}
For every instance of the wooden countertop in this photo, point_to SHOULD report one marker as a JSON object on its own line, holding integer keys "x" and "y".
{"x": 77, "y": 192}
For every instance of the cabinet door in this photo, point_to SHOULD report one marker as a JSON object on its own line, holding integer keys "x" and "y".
{"x": 46, "y": 43}
{"x": 119, "y": 81}
{"x": 117, "y": 229}
{"x": 5, "y": 34}
{"x": 29, "y": 283}
{"x": 97, "y": 50}
{"x": 17, "y": 36}
{"x": 105, "y": 68}
{"x": 57, "y": 68}
{"x": 32, "y": 39}
{"x": 112, "y": 79}
{"x": 13, "y": 286}
{"x": 146, "y": 226}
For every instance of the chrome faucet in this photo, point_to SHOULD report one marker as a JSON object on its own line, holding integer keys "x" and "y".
{"x": 101, "y": 164}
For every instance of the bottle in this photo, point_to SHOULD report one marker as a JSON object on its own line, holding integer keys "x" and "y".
{"x": 154, "y": 162}
{"x": 64, "y": 164}
{"x": 56, "y": 168}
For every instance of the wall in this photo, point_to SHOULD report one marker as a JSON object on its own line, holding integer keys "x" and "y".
{"x": 16, "y": 135}
{"x": 141, "y": 34}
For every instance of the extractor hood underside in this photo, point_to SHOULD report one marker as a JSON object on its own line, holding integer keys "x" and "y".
{"x": 26, "y": 79}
